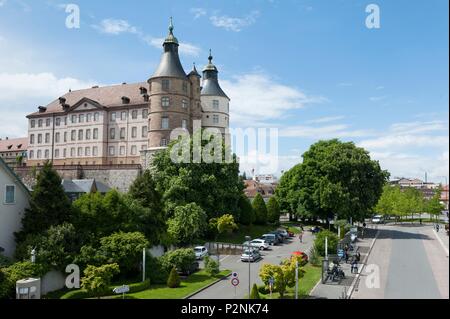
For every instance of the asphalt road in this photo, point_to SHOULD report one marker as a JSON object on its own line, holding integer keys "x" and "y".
{"x": 224, "y": 288}
{"x": 412, "y": 264}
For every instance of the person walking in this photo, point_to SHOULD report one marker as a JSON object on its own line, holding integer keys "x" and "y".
{"x": 300, "y": 236}
{"x": 354, "y": 269}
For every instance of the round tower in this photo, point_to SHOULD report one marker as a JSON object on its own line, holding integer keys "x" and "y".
{"x": 170, "y": 95}
{"x": 215, "y": 103}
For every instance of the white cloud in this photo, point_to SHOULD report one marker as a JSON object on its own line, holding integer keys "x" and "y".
{"x": 326, "y": 119}
{"x": 257, "y": 97}
{"x": 198, "y": 12}
{"x": 118, "y": 26}
{"x": 324, "y": 132}
{"x": 20, "y": 94}
{"x": 115, "y": 27}
{"x": 233, "y": 23}
{"x": 405, "y": 141}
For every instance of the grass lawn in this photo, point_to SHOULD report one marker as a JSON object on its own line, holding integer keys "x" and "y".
{"x": 305, "y": 285}
{"x": 238, "y": 237}
{"x": 190, "y": 285}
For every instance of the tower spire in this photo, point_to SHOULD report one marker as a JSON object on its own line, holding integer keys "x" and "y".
{"x": 171, "y": 38}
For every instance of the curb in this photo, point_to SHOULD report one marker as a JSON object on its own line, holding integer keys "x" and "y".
{"x": 207, "y": 286}
{"x": 352, "y": 287}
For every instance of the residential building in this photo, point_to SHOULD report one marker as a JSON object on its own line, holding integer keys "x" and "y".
{"x": 252, "y": 188}
{"x": 14, "y": 199}
{"x": 75, "y": 188}
{"x": 122, "y": 124}
{"x": 14, "y": 151}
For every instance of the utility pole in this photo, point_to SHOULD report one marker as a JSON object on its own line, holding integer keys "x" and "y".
{"x": 248, "y": 239}
{"x": 143, "y": 264}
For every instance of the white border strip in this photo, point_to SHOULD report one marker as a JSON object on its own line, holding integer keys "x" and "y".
{"x": 441, "y": 242}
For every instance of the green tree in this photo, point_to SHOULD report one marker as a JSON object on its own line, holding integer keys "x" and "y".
{"x": 287, "y": 193}
{"x": 434, "y": 206}
{"x": 335, "y": 178}
{"x": 226, "y": 224}
{"x": 152, "y": 220}
{"x": 283, "y": 275}
{"x": 273, "y": 211}
{"x": 174, "y": 279}
{"x": 15, "y": 272}
{"x": 215, "y": 187}
{"x": 188, "y": 224}
{"x": 49, "y": 205}
{"x": 247, "y": 216}
{"x": 181, "y": 259}
{"x": 319, "y": 242}
{"x": 96, "y": 280}
{"x": 260, "y": 209}
{"x": 255, "y": 293}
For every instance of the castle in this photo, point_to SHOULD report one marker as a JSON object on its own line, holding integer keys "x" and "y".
{"x": 121, "y": 124}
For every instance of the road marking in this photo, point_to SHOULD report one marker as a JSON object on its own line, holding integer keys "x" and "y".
{"x": 224, "y": 258}
{"x": 441, "y": 242}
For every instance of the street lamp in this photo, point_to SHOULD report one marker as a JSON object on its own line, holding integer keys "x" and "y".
{"x": 248, "y": 239}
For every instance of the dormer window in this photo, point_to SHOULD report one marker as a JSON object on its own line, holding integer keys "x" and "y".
{"x": 146, "y": 97}
{"x": 42, "y": 109}
{"x": 62, "y": 101}
{"x": 143, "y": 90}
{"x": 125, "y": 100}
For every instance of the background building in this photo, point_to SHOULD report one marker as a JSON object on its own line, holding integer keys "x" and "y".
{"x": 14, "y": 151}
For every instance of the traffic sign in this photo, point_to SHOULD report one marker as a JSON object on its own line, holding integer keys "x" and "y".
{"x": 121, "y": 290}
{"x": 235, "y": 275}
{"x": 235, "y": 282}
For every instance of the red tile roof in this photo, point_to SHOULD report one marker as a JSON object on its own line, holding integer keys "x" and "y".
{"x": 14, "y": 145}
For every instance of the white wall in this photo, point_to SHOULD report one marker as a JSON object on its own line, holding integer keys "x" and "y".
{"x": 52, "y": 281}
{"x": 10, "y": 215}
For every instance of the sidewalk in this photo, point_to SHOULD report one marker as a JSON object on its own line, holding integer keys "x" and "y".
{"x": 339, "y": 290}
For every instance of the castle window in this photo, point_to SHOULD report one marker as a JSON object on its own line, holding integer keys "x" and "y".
{"x": 65, "y": 120}
{"x": 112, "y": 151}
{"x": 47, "y": 122}
{"x": 65, "y": 136}
{"x": 10, "y": 192}
{"x": 87, "y": 151}
{"x": 72, "y": 152}
{"x": 134, "y": 114}
{"x": 184, "y": 124}
{"x": 58, "y": 121}
{"x": 122, "y": 151}
{"x": 123, "y": 116}
{"x": 95, "y": 151}
{"x": 163, "y": 142}
{"x": 64, "y": 152}
{"x": 144, "y": 131}
{"x": 32, "y": 139}
{"x": 56, "y": 153}
{"x": 133, "y": 150}
{"x": 80, "y": 135}
{"x": 88, "y": 134}
{"x": 57, "y": 137}
{"x": 88, "y": 117}
{"x": 31, "y": 154}
{"x": 122, "y": 133}
{"x": 113, "y": 116}
{"x": 184, "y": 104}
{"x": 185, "y": 87}
{"x": 215, "y": 104}
{"x": 40, "y": 123}
{"x": 80, "y": 152}
{"x": 47, "y": 154}
{"x": 32, "y": 123}
{"x": 74, "y": 118}
{"x": 81, "y": 118}
{"x": 112, "y": 133}
{"x": 134, "y": 132}
{"x": 216, "y": 119}
{"x": 39, "y": 138}
{"x": 165, "y": 84}
{"x": 165, "y": 123}
{"x": 47, "y": 138}
{"x": 73, "y": 135}
{"x": 165, "y": 101}
{"x": 96, "y": 117}
{"x": 95, "y": 133}
{"x": 39, "y": 154}
{"x": 145, "y": 113}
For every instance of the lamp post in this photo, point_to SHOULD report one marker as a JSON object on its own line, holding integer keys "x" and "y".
{"x": 248, "y": 239}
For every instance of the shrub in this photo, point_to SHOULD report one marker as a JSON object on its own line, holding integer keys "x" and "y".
{"x": 255, "y": 294}
{"x": 15, "y": 272}
{"x": 155, "y": 270}
{"x": 181, "y": 259}
{"x": 83, "y": 294}
{"x": 260, "y": 210}
{"x": 319, "y": 242}
{"x": 174, "y": 279}
{"x": 314, "y": 257}
{"x": 263, "y": 290}
{"x": 96, "y": 280}
{"x": 211, "y": 266}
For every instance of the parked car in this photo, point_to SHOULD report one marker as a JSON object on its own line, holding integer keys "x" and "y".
{"x": 378, "y": 219}
{"x": 200, "y": 252}
{"x": 270, "y": 238}
{"x": 260, "y": 244}
{"x": 280, "y": 237}
{"x": 283, "y": 233}
{"x": 190, "y": 270}
{"x": 251, "y": 255}
{"x": 291, "y": 234}
{"x": 315, "y": 229}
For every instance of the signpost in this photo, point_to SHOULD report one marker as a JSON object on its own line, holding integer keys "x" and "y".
{"x": 235, "y": 282}
{"x": 122, "y": 290}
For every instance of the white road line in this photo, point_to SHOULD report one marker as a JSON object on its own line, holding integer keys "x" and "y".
{"x": 224, "y": 258}
{"x": 441, "y": 242}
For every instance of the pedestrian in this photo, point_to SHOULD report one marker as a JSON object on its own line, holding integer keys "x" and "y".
{"x": 300, "y": 236}
{"x": 437, "y": 228}
{"x": 354, "y": 268}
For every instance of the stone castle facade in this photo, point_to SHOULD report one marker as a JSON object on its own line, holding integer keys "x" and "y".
{"x": 123, "y": 124}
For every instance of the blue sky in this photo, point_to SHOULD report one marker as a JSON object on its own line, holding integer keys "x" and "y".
{"x": 310, "y": 68}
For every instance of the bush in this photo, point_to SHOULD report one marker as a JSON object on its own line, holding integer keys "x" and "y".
{"x": 263, "y": 290}
{"x": 211, "y": 266}
{"x": 155, "y": 270}
{"x": 15, "y": 272}
{"x": 314, "y": 257}
{"x": 319, "y": 242}
{"x": 181, "y": 259}
{"x": 84, "y": 294}
{"x": 174, "y": 279}
{"x": 260, "y": 210}
{"x": 255, "y": 294}
{"x": 97, "y": 280}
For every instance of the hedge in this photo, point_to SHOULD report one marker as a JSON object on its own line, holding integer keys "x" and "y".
{"x": 83, "y": 294}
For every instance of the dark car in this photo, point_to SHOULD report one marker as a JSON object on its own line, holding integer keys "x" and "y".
{"x": 279, "y": 236}
{"x": 270, "y": 238}
{"x": 190, "y": 270}
{"x": 316, "y": 229}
